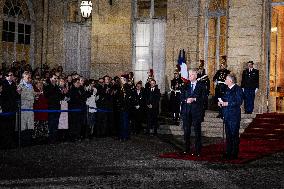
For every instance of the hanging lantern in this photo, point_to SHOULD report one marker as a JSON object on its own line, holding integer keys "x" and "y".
{"x": 86, "y": 8}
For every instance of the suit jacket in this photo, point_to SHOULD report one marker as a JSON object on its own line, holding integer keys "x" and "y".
{"x": 138, "y": 99}
{"x": 196, "y": 107}
{"x": 153, "y": 97}
{"x": 250, "y": 79}
{"x": 53, "y": 95}
{"x": 10, "y": 96}
{"x": 234, "y": 97}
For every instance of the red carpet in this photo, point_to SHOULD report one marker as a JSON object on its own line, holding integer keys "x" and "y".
{"x": 264, "y": 136}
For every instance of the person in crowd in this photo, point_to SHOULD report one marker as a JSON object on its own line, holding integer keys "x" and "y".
{"x": 106, "y": 103}
{"x": 25, "y": 88}
{"x": 231, "y": 104}
{"x": 92, "y": 105}
{"x": 54, "y": 95}
{"x": 250, "y": 85}
{"x": 3, "y": 127}
{"x": 137, "y": 107}
{"x": 124, "y": 95}
{"x": 63, "y": 118}
{"x": 192, "y": 101}
{"x": 149, "y": 78}
{"x": 152, "y": 95}
{"x": 60, "y": 70}
{"x": 85, "y": 92}
{"x": 176, "y": 84}
{"x": 76, "y": 118}
{"x": 219, "y": 80}
{"x": 202, "y": 77}
{"x": 40, "y": 118}
{"x": 69, "y": 82}
{"x": 10, "y": 99}
{"x": 131, "y": 81}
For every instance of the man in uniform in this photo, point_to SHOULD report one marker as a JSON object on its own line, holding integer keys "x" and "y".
{"x": 176, "y": 84}
{"x": 250, "y": 84}
{"x": 219, "y": 80}
{"x": 203, "y": 78}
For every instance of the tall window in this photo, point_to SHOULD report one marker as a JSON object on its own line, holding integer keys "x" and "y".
{"x": 215, "y": 34}
{"x": 16, "y": 31}
{"x": 149, "y": 39}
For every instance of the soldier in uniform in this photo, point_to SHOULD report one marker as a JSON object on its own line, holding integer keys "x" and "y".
{"x": 250, "y": 84}
{"x": 219, "y": 80}
{"x": 176, "y": 84}
{"x": 203, "y": 78}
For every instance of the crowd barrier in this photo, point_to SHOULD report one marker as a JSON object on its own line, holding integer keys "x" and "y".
{"x": 18, "y": 115}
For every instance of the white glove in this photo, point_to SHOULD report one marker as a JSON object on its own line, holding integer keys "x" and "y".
{"x": 137, "y": 107}
{"x": 243, "y": 89}
{"x": 256, "y": 90}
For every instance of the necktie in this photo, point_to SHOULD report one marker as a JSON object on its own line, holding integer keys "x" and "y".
{"x": 191, "y": 89}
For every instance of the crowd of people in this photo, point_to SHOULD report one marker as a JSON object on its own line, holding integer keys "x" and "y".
{"x": 54, "y": 106}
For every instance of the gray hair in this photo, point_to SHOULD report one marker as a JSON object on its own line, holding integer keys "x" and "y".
{"x": 193, "y": 70}
{"x": 233, "y": 77}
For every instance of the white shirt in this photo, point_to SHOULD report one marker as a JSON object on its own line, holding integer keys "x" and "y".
{"x": 231, "y": 86}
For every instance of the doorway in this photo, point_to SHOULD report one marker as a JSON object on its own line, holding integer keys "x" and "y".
{"x": 276, "y": 69}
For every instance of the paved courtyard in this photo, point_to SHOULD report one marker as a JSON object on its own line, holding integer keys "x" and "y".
{"x": 109, "y": 163}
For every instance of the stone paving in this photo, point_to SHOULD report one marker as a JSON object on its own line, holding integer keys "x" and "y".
{"x": 109, "y": 163}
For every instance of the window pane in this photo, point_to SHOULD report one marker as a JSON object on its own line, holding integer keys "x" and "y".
{"x": 6, "y": 10}
{"x": 12, "y": 26}
{"x": 27, "y": 39}
{"x": 160, "y": 8}
{"x": 4, "y": 36}
{"x": 21, "y": 38}
{"x": 143, "y": 8}
{"x": 21, "y": 28}
{"x": 5, "y": 25}
{"x": 27, "y": 29}
{"x": 11, "y": 37}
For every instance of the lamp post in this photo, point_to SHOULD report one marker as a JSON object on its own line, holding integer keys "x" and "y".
{"x": 86, "y": 8}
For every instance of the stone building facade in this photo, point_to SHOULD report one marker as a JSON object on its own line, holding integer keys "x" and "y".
{"x": 136, "y": 35}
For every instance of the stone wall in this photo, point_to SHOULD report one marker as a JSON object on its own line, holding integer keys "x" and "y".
{"x": 111, "y": 38}
{"x": 245, "y": 40}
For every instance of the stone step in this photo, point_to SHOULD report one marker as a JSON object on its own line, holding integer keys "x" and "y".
{"x": 216, "y": 131}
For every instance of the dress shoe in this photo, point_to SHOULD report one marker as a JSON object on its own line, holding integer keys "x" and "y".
{"x": 196, "y": 154}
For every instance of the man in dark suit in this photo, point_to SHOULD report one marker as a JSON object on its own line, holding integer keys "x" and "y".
{"x": 10, "y": 98}
{"x": 54, "y": 95}
{"x": 230, "y": 103}
{"x": 137, "y": 107}
{"x": 250, "y": 84}
{"x": 192, "y": 99}
{"x": 152, "y": 95}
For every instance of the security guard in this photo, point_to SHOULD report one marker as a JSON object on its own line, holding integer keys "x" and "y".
{"x": 203, "y": 78}
{"x": 250, "y": 84}
{"x": 219, "y": 80}
{"x": 175, "y": 92}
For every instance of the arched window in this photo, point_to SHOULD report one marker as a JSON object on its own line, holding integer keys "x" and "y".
{"x": 16, "y": 31}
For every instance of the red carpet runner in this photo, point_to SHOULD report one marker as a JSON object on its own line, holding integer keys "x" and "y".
{"x": 264, "y": 136}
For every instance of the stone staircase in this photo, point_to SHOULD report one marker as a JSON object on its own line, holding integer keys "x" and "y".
{"x": 211, "y": 127}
